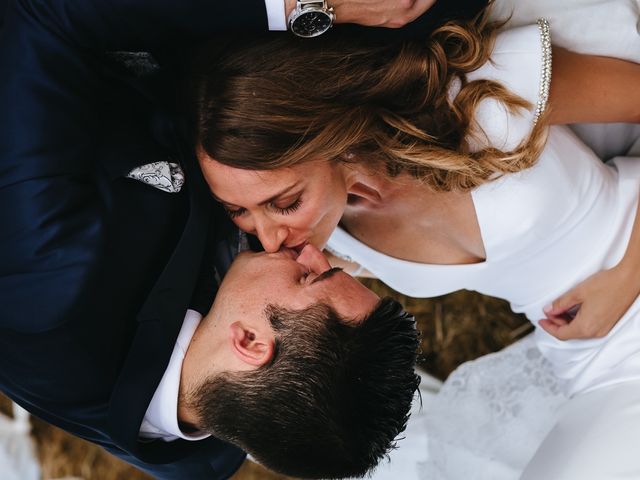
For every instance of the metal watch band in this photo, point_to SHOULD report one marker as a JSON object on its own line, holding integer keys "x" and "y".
{"x": 311, "y": 18}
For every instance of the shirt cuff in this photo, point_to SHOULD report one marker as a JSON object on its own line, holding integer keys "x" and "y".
{"x": 275, "y": 14}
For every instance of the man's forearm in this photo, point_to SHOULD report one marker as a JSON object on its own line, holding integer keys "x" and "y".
{"x": 374, "y": 13}
{"x": 289, "y": 5}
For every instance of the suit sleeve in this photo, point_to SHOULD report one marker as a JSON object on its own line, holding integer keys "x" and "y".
{"x": 50, "y": 91}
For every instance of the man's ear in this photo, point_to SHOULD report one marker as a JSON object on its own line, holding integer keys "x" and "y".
{"x": 251, "y": 346}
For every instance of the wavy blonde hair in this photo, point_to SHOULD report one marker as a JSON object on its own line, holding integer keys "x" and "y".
{"x": 278, "y": 101}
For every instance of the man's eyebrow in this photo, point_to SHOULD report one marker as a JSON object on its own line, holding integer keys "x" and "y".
{"x": 264, "y": 202}
{"x": 327, "y": 274}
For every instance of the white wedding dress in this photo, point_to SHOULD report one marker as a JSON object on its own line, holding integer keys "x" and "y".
{"x": 544, "y": 230}
{"x": 491, "y": 415}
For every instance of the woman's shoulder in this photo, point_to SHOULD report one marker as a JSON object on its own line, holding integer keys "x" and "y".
{"x": 521, "y": 62}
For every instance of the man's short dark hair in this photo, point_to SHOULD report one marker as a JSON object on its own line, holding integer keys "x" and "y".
{"x": 332, "y": 401}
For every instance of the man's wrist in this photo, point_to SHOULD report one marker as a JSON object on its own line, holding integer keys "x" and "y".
{"x": 289, "y": 6}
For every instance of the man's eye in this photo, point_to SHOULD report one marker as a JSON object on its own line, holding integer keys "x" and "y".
{"x": 292, "y": 207}
{"x": 233, "y": 213}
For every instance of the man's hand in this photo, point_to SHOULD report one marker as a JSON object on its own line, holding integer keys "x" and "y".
{"x": 592, "y": 308}
{"x": 375, "y": 13}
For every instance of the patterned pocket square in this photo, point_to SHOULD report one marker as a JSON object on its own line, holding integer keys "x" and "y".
{"x": 164, "y": 176}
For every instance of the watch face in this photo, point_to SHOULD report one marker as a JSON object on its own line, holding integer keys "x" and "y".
{"x": 311, "y": 24}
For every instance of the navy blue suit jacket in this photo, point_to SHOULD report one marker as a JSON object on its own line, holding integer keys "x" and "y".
{"x": 97, "y": 270}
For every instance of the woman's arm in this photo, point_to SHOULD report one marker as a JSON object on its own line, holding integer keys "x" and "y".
{"x": 592, "y": 89}
{"x": 587, "y": 88}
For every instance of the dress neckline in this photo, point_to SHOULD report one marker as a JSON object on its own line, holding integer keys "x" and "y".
{"x": 342, "y": 236}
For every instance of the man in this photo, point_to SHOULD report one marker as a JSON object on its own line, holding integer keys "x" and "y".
{"x": 97, "y": 270}
{"x": 287, "y": 365}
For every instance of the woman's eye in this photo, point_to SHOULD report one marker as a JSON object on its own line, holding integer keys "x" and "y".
{"x": 233, "y": 213}
{"x": 292, "y": 207}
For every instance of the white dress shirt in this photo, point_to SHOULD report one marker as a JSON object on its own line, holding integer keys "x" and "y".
{"x": 161, "y": 419}
{"x": 276, "y": 14}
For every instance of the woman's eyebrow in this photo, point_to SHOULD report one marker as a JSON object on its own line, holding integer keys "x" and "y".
{"x": 263, "y": 202}
{"x": 279, "y": 194}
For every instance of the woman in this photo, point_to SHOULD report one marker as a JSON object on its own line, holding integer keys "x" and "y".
{"x": 266, "y": 127}
{"x": 385, "y": 141}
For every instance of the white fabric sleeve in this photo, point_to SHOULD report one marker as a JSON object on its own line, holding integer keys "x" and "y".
{"x": 609, "y": 28}
{"x": 276, "y": 14}
{"x": 521, "y": 62}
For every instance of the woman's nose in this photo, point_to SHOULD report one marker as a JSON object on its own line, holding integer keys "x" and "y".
{"x": 271, "y": 235}
{"x": 313, "y": 259}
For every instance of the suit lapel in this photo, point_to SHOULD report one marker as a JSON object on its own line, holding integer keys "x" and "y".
{"x": 159, "y": 323}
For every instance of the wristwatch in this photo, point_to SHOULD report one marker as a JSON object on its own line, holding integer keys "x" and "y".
{"x": 311, "y": 18}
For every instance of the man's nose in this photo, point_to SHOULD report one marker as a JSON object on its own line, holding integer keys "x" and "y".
{"x": 313, "y": 259}
{"x": 271, "y": 235}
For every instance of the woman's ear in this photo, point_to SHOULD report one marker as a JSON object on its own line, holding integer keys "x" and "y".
{"x": 363, "y": 185}
{"x": 250, "y": 346}
{"x": 362, "y": 193}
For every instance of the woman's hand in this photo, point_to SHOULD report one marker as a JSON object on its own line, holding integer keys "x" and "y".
{"x": 592, "y": 308}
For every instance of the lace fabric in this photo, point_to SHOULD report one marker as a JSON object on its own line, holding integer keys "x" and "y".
{"x": 491, "y": 415}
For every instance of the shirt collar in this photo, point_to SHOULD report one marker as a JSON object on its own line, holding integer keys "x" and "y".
{"x": 161, "y": 418}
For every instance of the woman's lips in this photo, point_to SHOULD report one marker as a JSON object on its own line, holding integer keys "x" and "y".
{"x": 298, "y": 248}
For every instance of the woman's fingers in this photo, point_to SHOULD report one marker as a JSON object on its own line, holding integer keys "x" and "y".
{"x": 567, "y": 304}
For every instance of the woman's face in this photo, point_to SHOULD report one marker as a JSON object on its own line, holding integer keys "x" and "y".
{"x": 288, "y": 207}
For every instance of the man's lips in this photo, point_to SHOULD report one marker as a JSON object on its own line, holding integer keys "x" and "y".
{"x": 289, "y": 252}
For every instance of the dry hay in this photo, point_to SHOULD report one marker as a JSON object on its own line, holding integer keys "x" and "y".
{"x": 459, "y": 327}
{"x": 455, "y": 328}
